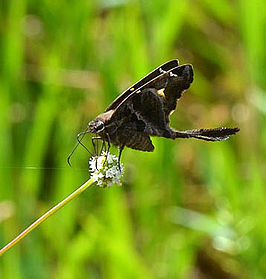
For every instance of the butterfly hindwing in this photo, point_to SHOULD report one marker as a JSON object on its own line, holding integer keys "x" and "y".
{"x": 129, "y": 136}
{"x": 183, "y": 77}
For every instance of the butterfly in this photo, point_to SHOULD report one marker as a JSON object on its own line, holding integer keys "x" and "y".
{"x": 143, "y": 110}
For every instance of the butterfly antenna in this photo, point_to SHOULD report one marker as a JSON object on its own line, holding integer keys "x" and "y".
{"x": 79, "y": 143}
{"x": 70, "y": 155}
{"x": 82, "y": 134}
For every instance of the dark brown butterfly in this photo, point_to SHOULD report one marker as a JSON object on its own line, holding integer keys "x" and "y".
{"x": 143, "y": 110}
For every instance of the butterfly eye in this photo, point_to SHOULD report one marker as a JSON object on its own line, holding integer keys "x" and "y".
{"x": 99, "y": 126}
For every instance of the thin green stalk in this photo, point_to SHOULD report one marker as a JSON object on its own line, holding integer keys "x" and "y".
{"x": 46, "y": 215}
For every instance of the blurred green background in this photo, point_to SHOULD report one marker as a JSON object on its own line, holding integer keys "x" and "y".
{"x": 190, "y": 209}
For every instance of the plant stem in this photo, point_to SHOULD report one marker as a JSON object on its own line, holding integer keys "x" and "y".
{"x": 46, "y": 215}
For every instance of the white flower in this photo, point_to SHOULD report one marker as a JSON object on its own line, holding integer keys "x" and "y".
{"x": 105, "y": 170}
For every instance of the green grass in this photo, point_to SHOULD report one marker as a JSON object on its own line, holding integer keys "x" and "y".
{"x": 61, "y": 64}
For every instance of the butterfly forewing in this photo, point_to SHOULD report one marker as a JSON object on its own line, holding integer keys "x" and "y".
{"x": 151, "y": 76}
{"x": 160, "y": 82}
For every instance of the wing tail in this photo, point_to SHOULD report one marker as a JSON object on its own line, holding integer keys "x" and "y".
{"x": 216, "y": 134}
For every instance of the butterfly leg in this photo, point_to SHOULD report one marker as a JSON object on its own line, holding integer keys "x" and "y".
{"x": 95, "y": 147}
{"x": 108, "y": 144}
{"x": 119, "y": 156}
{"x": 103, "y": 147}
{"x": 108, "y": 147}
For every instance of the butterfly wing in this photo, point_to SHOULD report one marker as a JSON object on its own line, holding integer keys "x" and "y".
{"x": 182, "y": 79}
{"x": 130, "y": 136}
{"x": 145, "y": 112}
{"x": 151, "y": 76}
{"x": 141, "y": 142}
{"x": 155, "y": 100}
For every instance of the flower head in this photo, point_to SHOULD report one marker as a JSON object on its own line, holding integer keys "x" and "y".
{"x": 105, "y": 170}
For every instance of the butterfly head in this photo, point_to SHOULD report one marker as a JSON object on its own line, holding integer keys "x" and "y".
{"x": 96, "y": 126}
{"x": 100, "y": 123}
